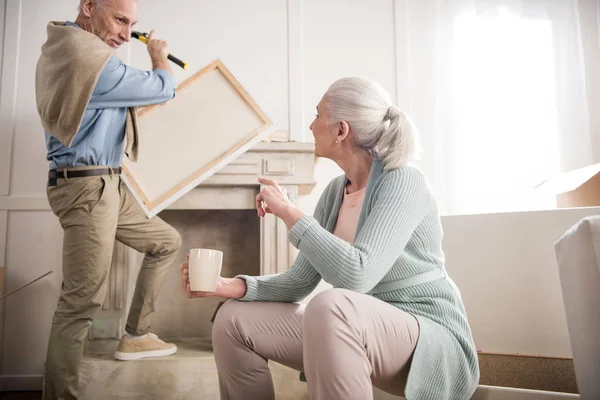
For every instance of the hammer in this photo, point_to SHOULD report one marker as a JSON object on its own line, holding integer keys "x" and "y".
{"x": 143, "y": 37}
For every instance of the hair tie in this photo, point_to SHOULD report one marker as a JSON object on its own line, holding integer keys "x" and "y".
{"x": 392, "y": 112}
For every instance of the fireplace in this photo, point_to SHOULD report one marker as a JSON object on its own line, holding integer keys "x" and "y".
{"x": 219, "y": 213}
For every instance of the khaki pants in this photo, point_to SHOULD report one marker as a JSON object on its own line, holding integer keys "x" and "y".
{"x": 344, "y": 341}
{"x": 94, "y": 211}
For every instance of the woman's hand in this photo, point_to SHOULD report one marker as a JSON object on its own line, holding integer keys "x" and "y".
{"x": 273, "y": 199}
{"x": 229, "y": 288}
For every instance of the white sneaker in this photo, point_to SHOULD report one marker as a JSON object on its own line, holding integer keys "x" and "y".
{"x": 150, "y": 346}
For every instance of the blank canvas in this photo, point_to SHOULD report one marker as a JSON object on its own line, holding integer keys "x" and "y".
{"x": 211, "y": 121}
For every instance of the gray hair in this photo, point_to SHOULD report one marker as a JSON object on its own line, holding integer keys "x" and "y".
{"x": 379, "y": 127}
{"x": 98, "y": 3}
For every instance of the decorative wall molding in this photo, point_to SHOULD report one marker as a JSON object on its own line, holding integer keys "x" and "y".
{"x": 24, "y": 203}
{"x": 295, "y": 71}
{"x": 8, "y": 83}
{"x": 401, "y": 43}
{"x": 2, "y": 22}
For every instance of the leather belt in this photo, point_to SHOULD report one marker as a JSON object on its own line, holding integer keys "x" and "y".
{"x": 55, "y": 174}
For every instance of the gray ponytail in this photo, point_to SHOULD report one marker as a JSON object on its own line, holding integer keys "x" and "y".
{"x": 379, "y": 128}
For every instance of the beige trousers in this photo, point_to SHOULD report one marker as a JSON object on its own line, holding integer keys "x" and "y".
{"x": 345, "y": 342}
{"x": 93, "y": 212}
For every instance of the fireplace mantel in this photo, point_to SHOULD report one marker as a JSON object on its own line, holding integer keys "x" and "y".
{"x": 290, "y": 164}
{"x": 234, "y": 187}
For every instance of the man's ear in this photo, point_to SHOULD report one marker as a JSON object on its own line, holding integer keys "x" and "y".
{"x": 87, "y": 7}
{"x": 343, "y": 131}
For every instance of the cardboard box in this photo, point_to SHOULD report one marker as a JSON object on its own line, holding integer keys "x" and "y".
{"x": 576, "y": 188}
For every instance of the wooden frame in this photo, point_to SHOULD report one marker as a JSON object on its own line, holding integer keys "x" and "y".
{"x": 210, "y": 122}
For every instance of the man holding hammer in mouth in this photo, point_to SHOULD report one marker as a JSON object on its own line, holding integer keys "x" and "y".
{"x": 87, "y": 98}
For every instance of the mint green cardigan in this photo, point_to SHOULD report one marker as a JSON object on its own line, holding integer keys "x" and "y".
{"x": 399, "y": 236}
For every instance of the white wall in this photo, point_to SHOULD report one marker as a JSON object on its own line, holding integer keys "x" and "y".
{"x": 285, "y": 54}
{"x": 505, "y": 267}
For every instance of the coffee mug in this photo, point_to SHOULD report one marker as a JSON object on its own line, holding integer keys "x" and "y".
{"x": 204, "y": 269}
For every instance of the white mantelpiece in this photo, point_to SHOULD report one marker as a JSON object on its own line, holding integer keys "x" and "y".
{"x": 234, "y": 187}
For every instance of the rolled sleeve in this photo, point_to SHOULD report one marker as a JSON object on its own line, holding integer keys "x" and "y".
{"x": 120, "y": 85}
{"x": 169, "y": 81}
{"x": 251, "y": 288}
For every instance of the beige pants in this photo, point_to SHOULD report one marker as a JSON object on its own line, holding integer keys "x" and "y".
{"x": 345, "y": 342}
{"x": 94, "y": 211}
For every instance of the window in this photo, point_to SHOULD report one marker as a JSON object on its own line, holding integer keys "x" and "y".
{"x": 505, "y": 112}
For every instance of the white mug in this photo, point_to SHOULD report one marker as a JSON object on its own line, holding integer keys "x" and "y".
{"x": 204, "y": 269}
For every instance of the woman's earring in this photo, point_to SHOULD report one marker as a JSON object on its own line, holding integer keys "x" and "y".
{"x": 336, "y": 141}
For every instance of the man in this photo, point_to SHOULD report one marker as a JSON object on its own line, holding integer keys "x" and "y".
{"x": 87, "y": 98}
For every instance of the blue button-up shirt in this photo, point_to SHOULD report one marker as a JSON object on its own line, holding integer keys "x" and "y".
{"x": 100, "y": 139}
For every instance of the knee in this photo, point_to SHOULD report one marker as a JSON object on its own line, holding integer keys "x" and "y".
{"x": 82, "y": 308}
{"x": 167, "y": 243}
{"x": 324, "y": 307}
{"x": 173, "y": 242}
{"x": 225, "y": 325}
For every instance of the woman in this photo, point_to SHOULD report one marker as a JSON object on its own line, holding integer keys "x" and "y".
{"x": 394, "y": 318}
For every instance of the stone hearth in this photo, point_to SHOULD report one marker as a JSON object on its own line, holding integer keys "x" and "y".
{"x": 187, "y": 375}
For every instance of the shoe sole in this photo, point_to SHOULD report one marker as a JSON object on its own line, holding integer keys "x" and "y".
{"x": 144, "y": 354}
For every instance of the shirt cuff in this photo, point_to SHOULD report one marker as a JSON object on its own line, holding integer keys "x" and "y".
{"x": 251, "y": 288}
{"x": 299, "y": 228}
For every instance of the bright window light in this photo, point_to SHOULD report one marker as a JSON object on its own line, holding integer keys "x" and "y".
{"x": 505, "y": 112}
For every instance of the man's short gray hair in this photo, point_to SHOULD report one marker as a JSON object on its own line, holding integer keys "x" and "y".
{"x": 378, "y": 126}
{"x": 96, "y": 2}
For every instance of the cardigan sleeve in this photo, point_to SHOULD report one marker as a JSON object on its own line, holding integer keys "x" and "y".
{"x": 293, "y": 284}
{"x": 401, "y": 201}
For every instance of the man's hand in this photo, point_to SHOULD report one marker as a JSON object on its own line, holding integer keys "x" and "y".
{"x": 158, "y": 50}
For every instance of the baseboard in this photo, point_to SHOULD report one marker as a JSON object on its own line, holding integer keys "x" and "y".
{"x": 528, "y": 372}
{"x": 13, "y": 383}
{"x": 503, "y": 393}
